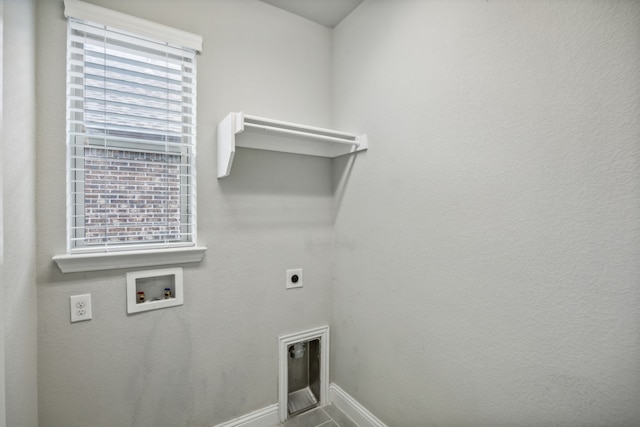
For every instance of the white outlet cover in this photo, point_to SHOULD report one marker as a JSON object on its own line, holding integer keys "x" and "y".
{"x": 80, "y": 307}
{"x": 291, "y": 274}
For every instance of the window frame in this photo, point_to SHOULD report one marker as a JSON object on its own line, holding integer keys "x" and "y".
{"x": 140, "y": 254}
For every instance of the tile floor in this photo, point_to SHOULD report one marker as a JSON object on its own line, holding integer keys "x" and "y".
{"x": 326, "y": 416}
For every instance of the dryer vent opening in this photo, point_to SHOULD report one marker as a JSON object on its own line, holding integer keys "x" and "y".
{"x": 303, "y": 368}
{"x": 303, "y": 377}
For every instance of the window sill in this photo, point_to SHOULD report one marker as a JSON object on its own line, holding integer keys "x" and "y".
{"x": 127, "y": 259}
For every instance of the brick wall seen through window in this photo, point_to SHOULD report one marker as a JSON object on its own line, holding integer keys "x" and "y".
{"x": 131, "y": 196}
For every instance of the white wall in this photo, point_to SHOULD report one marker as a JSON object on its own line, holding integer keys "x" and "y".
{"x": 215, "y": 357}
{"x": 485, "y": 270}
{"x": 3, "y": 407}
{"x": 18, "y": 205}
{"x": 488, "y": 242}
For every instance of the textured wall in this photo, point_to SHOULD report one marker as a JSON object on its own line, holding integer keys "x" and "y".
{"x": 215, "y": 357}
{"x": 3, "y": 412}
{"x": 19, "y": 219}
{"x": 487, "y": 265}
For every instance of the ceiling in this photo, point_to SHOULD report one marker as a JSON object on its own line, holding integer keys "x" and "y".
{"x": 325, "y": 12}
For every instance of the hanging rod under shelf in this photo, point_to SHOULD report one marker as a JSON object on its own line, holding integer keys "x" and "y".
{"x": 240, "y": 130}
{"x": 301, "y": 133}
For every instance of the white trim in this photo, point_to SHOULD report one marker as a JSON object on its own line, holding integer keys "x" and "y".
{"x": 265, "y": 417}
{"x": 285, "y": 341}
{"x": 127, "y": 259}
{"x": 353, "y": 409}
{"x": 122, "y": 21}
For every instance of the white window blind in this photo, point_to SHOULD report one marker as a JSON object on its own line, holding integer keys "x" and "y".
{"x": 131, "y": 140}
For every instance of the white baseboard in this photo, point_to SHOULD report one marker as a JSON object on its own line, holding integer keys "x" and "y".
{"x": 354, "y": 410}
{"x": 265, "y": 417}
{"x": 268, "y": 417}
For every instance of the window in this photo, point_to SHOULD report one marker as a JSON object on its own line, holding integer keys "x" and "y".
{"x": 131, "y": 140}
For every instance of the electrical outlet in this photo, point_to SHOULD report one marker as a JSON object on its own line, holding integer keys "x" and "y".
{"x": 294, "y": 278}
{"x": 80, "y": 306}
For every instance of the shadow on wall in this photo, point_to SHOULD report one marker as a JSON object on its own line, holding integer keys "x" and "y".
{"x": 272, "y": 188}
{"x": 341, "y": 172}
